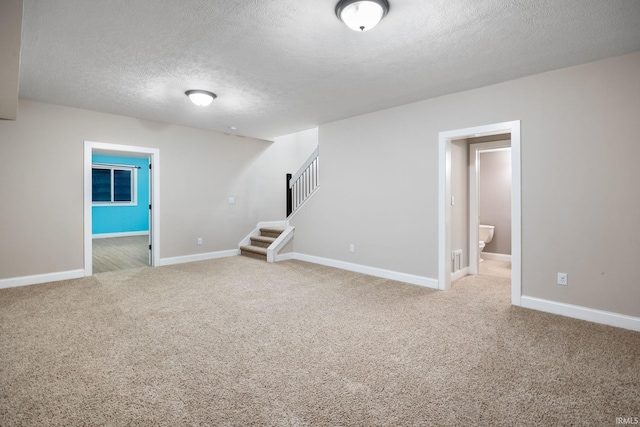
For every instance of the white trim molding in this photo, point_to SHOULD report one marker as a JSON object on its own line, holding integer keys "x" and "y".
{"x": 444, "y": 201}
{"x": 371, "y": 271}
{"x": 285, "y": 257}
{"x": 460, "y": 274}
{"x": 495, "y": 257}
{"x": 582, "y": 313}
{"x": 275, "y": 247}
{"x": 40, "y": 278}
{"x": 154, "y": 195}
{"x": 197, "y": 257}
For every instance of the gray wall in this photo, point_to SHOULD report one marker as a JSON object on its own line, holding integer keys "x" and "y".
{"x": 10, "y": 40}
{"x": 41, "y": 171}
{"x": 494, "y": 198}
{"x": 580, "y": 144}
{"x": 460, "y": 192}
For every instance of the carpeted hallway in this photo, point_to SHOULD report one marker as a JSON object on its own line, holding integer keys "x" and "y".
{"x": 240, "y": 342}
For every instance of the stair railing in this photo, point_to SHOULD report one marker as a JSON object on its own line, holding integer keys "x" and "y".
{"x": 303, "y": 183}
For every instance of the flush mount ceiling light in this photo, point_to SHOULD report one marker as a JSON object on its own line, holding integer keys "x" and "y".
{"x": 362, "y": 15}
{"x": 201, "y": 98}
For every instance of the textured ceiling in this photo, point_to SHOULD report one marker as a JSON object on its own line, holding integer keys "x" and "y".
{"x": 280, "y": 66}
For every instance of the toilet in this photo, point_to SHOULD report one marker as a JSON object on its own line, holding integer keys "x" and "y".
{"x": 485, "y": 235}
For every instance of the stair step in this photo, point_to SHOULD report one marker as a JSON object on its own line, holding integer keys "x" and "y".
{"x": 254, "y": 252}
{"x": 271, "y": 231}
{"x": 262, "y": 241}
{"x": 255, "y": 249}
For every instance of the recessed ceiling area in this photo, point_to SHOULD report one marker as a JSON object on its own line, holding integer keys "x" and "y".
{"x": 283, "y": 66}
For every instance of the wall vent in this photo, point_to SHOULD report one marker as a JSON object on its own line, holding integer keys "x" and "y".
{"x": 456, "y": 260}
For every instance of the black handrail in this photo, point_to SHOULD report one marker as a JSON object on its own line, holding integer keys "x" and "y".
{"x": 289, "y": 195}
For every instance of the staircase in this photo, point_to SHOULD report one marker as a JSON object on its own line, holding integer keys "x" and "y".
{"x": 259, "y": 244}
{"x": 268, "y": 240}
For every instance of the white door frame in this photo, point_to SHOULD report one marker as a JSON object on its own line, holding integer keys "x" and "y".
{"x": 154, "y": 196}
{"x": 444, "y": 201}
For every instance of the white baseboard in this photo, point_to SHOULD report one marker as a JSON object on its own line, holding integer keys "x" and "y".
{"x": 284, "y": 257}
{"x": 123, "y": 234}
{"x": 371, "y": 271}
{"x": 197, "y": 257}
{"x": 40, "y": 278}
{"x": 582, "y": 313}
{"x": 76, "y": 274}
{"x": 460, "y": 273}
{"x": 495, "y": 257}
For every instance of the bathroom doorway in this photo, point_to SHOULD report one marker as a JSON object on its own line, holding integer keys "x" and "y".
{"x": 446, "y": 202}
{"x": 490, "y": 179}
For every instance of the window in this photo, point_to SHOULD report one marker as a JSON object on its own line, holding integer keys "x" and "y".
{"x": 114, "y": 185}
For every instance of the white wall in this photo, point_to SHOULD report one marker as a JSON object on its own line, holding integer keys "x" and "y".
{"x": 580, "y": 141}
{"x": 460, "y": 193}
{"x": 41, "y": 176}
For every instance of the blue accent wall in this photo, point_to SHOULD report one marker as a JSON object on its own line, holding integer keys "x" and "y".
{"x": 121, "y": 219}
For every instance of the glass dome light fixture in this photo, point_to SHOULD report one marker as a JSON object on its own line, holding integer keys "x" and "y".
{"x": 361, "y": 15}
{"x": 201, "y": 98}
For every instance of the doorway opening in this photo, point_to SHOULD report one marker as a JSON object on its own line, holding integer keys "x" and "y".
{"x": 489, "y": 199}
{"x": 446, "y": 201}
{"x": 131, "y": 243}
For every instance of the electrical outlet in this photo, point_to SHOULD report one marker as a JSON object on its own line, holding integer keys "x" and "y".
{"x": 199, "y": 240}
{"x": 562, "y": 279}
{"x": 352, "y": 248}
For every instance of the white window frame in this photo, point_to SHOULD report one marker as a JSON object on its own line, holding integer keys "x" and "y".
{"x": 134, "y": 184}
